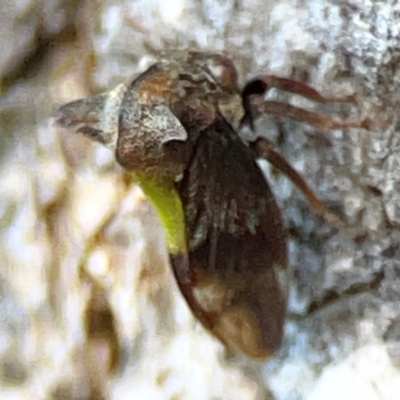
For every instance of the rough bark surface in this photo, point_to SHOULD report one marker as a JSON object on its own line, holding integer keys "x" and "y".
{"x": 88, "y": 306}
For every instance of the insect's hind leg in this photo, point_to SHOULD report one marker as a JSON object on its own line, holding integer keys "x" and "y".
{"x": 264, "y": 150}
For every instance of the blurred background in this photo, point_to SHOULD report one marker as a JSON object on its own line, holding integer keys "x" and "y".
{"x": 88, "y": 306}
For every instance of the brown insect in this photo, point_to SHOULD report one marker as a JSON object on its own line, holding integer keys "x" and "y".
{"x": 178, "y": 128}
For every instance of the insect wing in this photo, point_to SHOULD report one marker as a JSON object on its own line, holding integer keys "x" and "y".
{"x": 236, "y": 243}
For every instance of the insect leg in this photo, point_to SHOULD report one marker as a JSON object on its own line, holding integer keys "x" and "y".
{"x": 264, "y": 150}
{"x": 300, "y": 88}
{"x": 255, "y": 105}
{"x": 261, "y": 106}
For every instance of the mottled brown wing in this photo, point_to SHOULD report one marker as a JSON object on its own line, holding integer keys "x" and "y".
{"x": 236, "y": 242}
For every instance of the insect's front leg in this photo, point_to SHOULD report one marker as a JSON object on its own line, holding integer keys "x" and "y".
{"x": 260, "y": 106}
{"x": 255, "y": 105}
{"x": 295, "y": 87}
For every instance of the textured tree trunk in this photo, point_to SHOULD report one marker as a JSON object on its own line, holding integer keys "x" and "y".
{"x": 88, "y": 305}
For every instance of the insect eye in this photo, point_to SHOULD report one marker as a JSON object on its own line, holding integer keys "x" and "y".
{"x": 254, "y": 87}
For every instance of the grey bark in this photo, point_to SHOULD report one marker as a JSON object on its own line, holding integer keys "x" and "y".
{"x": 66, "y": 207}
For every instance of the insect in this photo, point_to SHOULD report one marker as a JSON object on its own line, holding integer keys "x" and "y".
{"x": 177, "y": 128}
